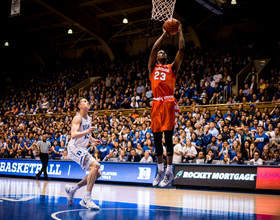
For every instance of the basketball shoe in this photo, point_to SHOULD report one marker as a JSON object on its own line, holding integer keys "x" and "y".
{"x": 159, "y": 178}
{"x": 167, "y": 179}
{"x": 88, "y": 203}
{"x": 70, "y": 194}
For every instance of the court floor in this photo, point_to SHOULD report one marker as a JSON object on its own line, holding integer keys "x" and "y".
{"x": 30, "y": 199}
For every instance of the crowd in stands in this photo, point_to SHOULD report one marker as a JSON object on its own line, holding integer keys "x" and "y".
{"x": 234, "y": 137}
{"x": 204, "y": 73}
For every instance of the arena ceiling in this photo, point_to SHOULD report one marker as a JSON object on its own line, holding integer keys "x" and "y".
{"x": 44, "y": 23}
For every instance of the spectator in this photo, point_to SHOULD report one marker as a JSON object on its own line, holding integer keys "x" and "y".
{"x": 139, "y": 149}
{"x": 61, "y": 149}
{"x": 3, "y": 153}
{"x": 246, "y": 90}
{"x": 276, "y": 159}
{"x": 238, "y": 158}
{"x": 253, "y": 85}
{"x": 253, "y": 149}
{"x": 251, "y": 75}
{"x": 55, "y": 151}
{"x": 239, "y": 97}
{"x": 92, "y": 148}
{"x": 200, "y": 158}
{"x": 104, "y": 150}
{"x": 213, "y": 131}
{"x": 226, "y": 133}
{"x": 213, "y": 146}
{"x": 65, "y": 156}
{"x": 224, "y": 151}
{"x": 219, "y": 142}
{"x": 261, "y": 85}
{"x": 147, "y": 158}
{"x": 235, "y": 147}
{"x": 97, "y": 155}
{"x": 19, "y": 154}
{"x": 274, "y": 142}
{"x": 122, "y": 157}
{"x": 246, "y": 135}
{"x": 246, "y": 150}
{"x": 178, "y": 150}
{"x": 257, "y": 160}
{"x": 140, "y": 88}
{"x": 261, "y": 139}
{"x": 108, "y": 81}
{"x": 134, "y": 103}
{"x": 267, "y": 154}
{"x": 194, "y": 141}
{"x": 11, "y": 154}
{"x": 136, "y": 139}
{"x": 209, "y": 157}
{"x": 45, "y": 105}
{"x": 217, "y": 77}
{"x": 205, "y": 138}
{"x": 189, "y": 152}
{"x": 129, "y": 147}
{"x": 148, "y": 146}
{"x": 232, "y": 138}
{"x": 110, "y": 156}
{"x": 226, "y": 159}
{"x": 133, "y": 157}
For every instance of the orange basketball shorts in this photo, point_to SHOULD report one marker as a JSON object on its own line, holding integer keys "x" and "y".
{"x": 164, "y": 114}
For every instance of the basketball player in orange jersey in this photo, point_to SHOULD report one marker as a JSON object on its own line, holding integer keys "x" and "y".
{"x": 165, "y": 108}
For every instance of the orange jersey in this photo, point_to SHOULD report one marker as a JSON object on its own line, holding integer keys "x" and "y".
{"x": 163, "y": 80}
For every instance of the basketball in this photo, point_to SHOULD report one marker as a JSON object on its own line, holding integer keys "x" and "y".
{"x": 171, "y": 26}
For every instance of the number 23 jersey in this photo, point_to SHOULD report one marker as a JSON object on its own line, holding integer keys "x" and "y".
{"x": 163, "y": 80}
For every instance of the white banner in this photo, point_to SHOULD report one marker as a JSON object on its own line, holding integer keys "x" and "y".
{"x": 15, "y": 9}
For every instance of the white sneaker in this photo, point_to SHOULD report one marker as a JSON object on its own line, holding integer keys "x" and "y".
{"x": 89, "y": 204}
{"x": 70, "y": 194}
{"x": 167, "y": 179}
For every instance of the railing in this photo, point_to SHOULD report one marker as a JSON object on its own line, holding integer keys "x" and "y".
{"x": 225, "y": 92}
{"x": 223, "y": 107}
{"x": 221, "y": 97}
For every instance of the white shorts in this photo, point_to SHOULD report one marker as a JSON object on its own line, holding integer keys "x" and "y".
{"x": 80, "y": 156}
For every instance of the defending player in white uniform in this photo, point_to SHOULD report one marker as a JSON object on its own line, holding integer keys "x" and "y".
{"x": 77, "y": 150}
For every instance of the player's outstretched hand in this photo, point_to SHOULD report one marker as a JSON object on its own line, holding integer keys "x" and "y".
{"x": 96, "y": 142}
{"x": 91, "y": 129}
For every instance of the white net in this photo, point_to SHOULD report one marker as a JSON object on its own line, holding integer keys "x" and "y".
{"x": 163, "y": 9}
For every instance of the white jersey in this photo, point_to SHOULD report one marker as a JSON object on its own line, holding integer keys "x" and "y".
{"x": 82, "y": 142}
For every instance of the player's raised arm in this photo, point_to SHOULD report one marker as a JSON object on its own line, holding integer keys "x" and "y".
{"x": 155, "y": 49}
{"x": 180, "y": 54}
{"x": 75, "y": 128}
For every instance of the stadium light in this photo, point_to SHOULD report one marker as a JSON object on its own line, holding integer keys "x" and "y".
{"x": 233, "y": 2}
{"x": 70, "y": 31}
{"x": 125, "y": 21}
{"x": 6, "y": 44}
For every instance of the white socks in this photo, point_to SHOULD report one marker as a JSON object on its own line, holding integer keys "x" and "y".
{"x": 169, "y": 168}
{"x": 75, "y": 187}
{"x": 161, "y": 167}
{"x": 88, "y": 194}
